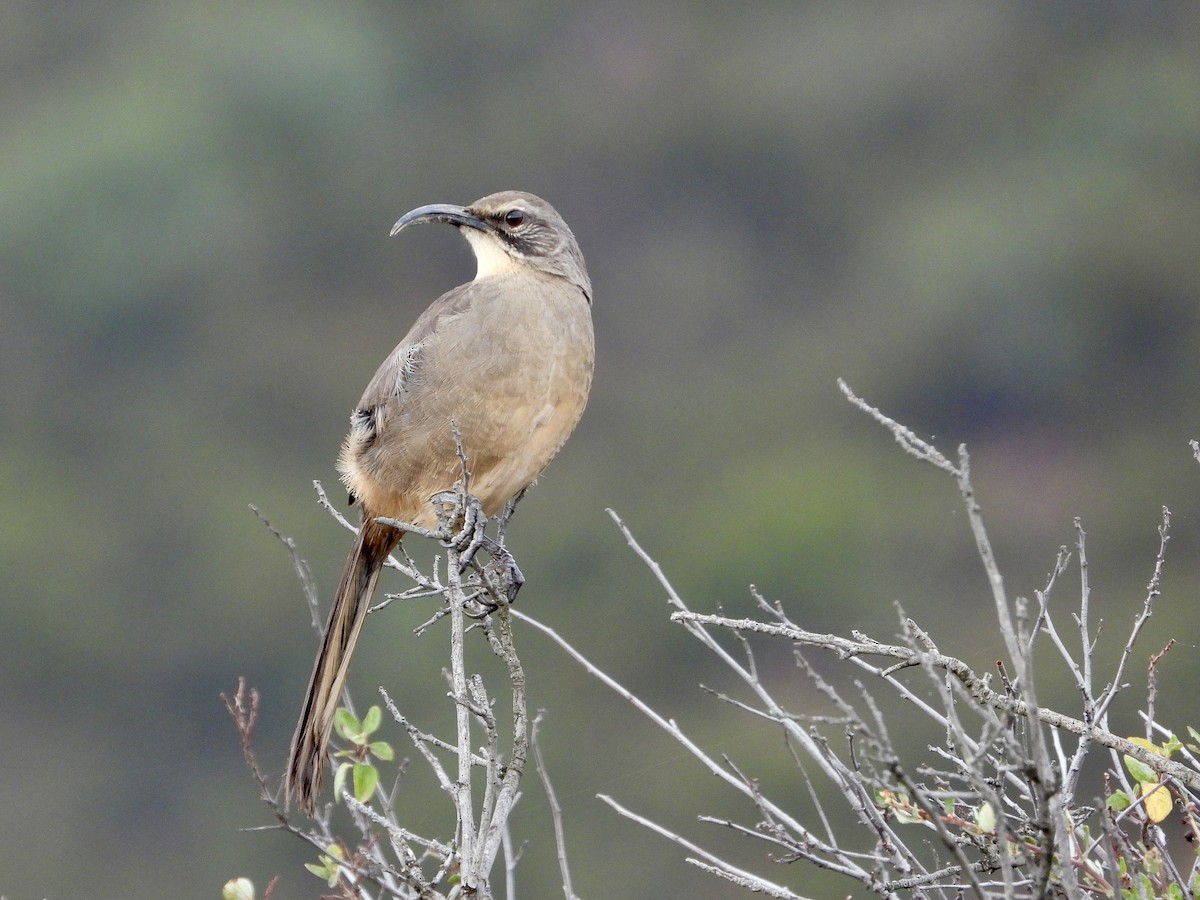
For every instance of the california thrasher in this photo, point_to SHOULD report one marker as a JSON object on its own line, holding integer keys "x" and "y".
{"x": 507, "y": 358}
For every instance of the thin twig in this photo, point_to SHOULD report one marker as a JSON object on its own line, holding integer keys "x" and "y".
{"x": 560, "y": 840}
{"x": 975, "y": 684}
{"x": 716, "y": 865}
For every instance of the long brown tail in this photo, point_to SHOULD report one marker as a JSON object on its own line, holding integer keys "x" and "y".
{"x": 309, "y": 753}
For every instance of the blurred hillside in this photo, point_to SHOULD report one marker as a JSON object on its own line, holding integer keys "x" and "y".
{"x": 983, "y": 216}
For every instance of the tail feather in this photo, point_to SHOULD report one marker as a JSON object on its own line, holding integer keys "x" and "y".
{"x": 310, "y": 744}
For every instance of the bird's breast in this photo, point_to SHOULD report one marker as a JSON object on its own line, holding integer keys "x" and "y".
{"x": 511, "y": 371}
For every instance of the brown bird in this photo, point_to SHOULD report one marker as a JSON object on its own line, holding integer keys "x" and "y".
{"x": 508, "y": 359}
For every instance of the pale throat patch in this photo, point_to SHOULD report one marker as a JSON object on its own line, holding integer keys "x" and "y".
{"x": 489, "y": 255}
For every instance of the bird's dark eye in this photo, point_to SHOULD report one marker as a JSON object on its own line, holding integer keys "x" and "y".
{"x": 514, "y": 218}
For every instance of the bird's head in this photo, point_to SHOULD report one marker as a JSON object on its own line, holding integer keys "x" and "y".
{"x": 509, "y": 230}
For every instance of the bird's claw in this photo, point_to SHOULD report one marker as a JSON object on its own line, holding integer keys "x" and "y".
{"x": 510, "y": 575}
{"x": 510, "y": 572}
{"x": 471, "y": 536}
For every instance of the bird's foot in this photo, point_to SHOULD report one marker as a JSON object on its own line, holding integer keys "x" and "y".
{"x": 471, "y": 536}
{"x": 510, "y": 573}
{"x": 510, "y": 578}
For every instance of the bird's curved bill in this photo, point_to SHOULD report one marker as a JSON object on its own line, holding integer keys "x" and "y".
{"x": 440, "y": 212}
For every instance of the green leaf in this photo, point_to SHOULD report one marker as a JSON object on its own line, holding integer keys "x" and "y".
{"x": 327, "y": 868}
{"x": 1118, "y": 801}
{"x": 910, "y": 815}
{"x": 346, "y": 724}
{"x": 339, "y": 778}
{"x": 366, "y": 777}
{"x": 1140, "y": 771}
{"x": 372, "y": 719}
{"x": 382, "y": 750}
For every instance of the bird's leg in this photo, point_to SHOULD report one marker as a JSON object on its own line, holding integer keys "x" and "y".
{"x": 471, "y": 536}
{"x": 511, "y": 580}
{"x": 509, "y": 570}
{"x": 511, "y": 577}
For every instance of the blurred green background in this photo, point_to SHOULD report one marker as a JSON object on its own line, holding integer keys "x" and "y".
{"x": 985, "y": 217}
